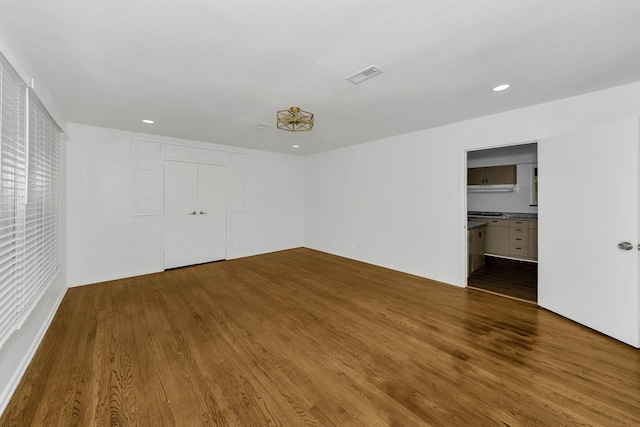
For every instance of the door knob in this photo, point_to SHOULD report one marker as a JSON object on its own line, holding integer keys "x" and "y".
{"x": 626, "y": 246}
{"x": 193, "y": 213}
{"x": 203, "y": 213}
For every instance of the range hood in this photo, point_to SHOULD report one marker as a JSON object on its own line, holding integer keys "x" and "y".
{"x": 502, "y": 188}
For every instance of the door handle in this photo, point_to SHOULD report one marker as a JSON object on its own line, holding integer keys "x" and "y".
{"x": 193, "y": 213}
{"x": 626, "y": 246}
{"x": 203, "y": 213}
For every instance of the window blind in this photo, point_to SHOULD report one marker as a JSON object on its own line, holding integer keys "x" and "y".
{"x": 29, "y": 200}
{"x": 40, "y": 257}
{"x": 12, "y": 163}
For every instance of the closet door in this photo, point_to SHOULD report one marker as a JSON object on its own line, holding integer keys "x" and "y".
{"x": 195, "y": 213}
{"x": 212, "y": 213}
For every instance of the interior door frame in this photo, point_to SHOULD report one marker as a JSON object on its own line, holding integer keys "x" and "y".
{"x": 464, "y": 244}
{"x": 161, "y": 198}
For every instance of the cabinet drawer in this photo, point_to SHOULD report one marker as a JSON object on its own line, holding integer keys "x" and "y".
{"x": 520, "y": 223}
{"x": 519, "y": 250}
{"x": 518, "y": 232}
{"x": 518, "y": 240}
{"x": 497, "y": 222}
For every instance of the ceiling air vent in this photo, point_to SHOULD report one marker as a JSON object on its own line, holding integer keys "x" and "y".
{"x": 365, "y": 74}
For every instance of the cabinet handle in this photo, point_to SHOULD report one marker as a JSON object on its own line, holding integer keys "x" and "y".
{"x": 203, "y": 213}
{"x": 193, "y": 213}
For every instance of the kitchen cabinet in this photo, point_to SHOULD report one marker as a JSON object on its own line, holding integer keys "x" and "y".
{"x": 533, "y": 240}
{"x": 492, "y": 175}
{"x": 511, "y": 238}
{"x": 498, "y": 237}
{"x": 519, "y": 238}
{"x": 476, "y": 247}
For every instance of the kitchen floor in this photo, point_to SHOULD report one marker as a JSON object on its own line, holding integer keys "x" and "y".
{"x": 511, "y": 278}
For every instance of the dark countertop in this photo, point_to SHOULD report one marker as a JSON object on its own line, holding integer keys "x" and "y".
{"x": 507, "y": 215}
{"x": 475, "y": 224}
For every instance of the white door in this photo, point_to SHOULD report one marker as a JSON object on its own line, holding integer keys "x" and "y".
{"x": 588, "y": 197}
{"x": 195, "y": 213}
{"x": 212, "y": 212}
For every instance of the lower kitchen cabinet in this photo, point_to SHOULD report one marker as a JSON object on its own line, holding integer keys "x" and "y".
{"x": 533, "y": 240}
{"x": 477, "y": 248}
{"x": 511, "y": 238}
{"x": 498, "y": 237}
{"x": 519, "y": 238}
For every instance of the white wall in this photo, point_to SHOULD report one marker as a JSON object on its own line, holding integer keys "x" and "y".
{"x": 401, "y": 202}
{"x": 106, "y": 242}
{"x": 512, "y": 155}
{"x": 273, "y": 217}
{"x": 391, "y": 202}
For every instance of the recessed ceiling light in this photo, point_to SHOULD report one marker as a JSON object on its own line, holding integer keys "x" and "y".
{"x": 147, "y": 121}
{"x": 501, "y": 88}
{"x": 295, "y": 146}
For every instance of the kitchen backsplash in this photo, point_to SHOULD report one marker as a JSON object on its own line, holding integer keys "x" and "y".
{"x": 517, "y": 201}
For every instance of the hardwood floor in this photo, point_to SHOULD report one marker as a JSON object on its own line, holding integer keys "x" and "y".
{"x": 515, "y": 279}
{"x": 303, "y": 338}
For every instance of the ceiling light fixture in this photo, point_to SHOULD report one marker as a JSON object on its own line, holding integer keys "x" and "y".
{"x": 294, "y": 120}
{"x": 501, "y": 88}
{"x": 147, "y": 121}
{"x": 295, "y": 146}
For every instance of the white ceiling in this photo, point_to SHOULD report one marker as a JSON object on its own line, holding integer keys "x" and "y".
{"x": 213, "y": 70}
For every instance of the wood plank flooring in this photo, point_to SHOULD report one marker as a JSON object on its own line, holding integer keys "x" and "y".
{"x": 303, "y": 338}
{"x": 515, "y": 279}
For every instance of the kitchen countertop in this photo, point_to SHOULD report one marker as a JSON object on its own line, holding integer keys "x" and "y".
{"x": 508, "y": 215}
{"x": 475, "y": 224}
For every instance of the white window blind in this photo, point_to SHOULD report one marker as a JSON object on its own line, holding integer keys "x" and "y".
{"x": 29, "y": 200}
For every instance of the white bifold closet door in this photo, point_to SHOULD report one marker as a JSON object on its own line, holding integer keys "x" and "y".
{"x": 195, "y": 211}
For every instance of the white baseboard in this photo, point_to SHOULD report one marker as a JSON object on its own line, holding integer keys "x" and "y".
{"x": 111, "y": 277}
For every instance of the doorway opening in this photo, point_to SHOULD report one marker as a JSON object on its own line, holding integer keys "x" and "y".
{"x": 502, "y": 221}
